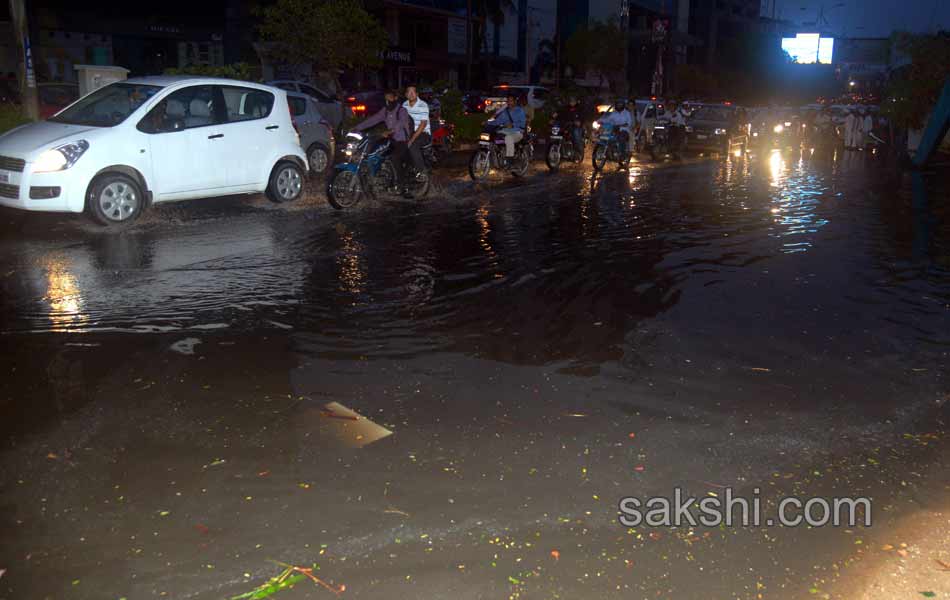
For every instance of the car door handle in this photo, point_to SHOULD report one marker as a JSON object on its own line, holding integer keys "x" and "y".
{"x": 269, "y": 127}
{"x": 215, "y": 136}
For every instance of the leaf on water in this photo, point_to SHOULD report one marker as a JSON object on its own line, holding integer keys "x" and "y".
{"x": 514, "y": 580}
{"x": 928, "y": 594}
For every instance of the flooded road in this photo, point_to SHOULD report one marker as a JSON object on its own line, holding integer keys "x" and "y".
{"x": 539, "y": 349}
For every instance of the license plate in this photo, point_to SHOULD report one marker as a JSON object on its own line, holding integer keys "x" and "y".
{"x": 701, "y": 137}
{"x": 483, "y": 143}
{"x": 556, "y": 137}
{"x": 4, "y": 177}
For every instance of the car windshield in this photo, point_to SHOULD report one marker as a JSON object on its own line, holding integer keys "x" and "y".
{"x": 711, "y": 113}
{"x": 108, "y": 106}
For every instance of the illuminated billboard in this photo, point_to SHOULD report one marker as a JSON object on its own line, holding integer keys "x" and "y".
{"x": 809, "y": 48}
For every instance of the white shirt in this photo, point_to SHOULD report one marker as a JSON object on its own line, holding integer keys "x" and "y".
{"x": 419, "y": 113}
{"x": 621, "y": 119}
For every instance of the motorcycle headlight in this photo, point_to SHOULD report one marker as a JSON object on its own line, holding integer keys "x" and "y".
{"x": 596, "y": 125}
{"x": 689, "y": 129}
{"x": 61, "y": 157}
{"x": 720, "y": 132}
{"x": 755, "y": 134}
{"x": 788, "y": 123}
{"x": 485, "y": 137}
{"x": 778, "y": 128}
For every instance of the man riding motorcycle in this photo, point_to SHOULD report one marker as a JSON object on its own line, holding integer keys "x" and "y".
{"x": 620, "y": 118}
{"x": 571, "y": 117}
{"x": 398, "y": 127}
{"x": 513, "y": 121}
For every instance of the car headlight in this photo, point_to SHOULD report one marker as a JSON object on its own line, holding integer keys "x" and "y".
{"x": 61, "y": 157}
{"x": 778, "y": 128}
{"x": 485, "y": 137}
{"x": 596, "y": 125}
{"x": 755, "y": 134}
{"x": 689, "y": 129}
{"x": 788, "y": 123}
{"x": 720, "y": 132}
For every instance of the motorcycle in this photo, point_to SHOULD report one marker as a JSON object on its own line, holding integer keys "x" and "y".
{"x": 662, "y": 143}
{"x": 490, "y": 154}
{"x": 561, "y": 146}
{"x": 367, "y": 170}
{"x": 443, "y": 140}
{"x": 607, "y": 146}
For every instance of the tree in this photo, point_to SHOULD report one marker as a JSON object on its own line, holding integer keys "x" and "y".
{"x": 594, "y": 48}
{"x": 328, "y": 34}
{"x": 485, "y": 12}
{"x": 913, "y": 90}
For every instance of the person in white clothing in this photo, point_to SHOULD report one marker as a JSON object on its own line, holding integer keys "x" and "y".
{"x": 620, "y": 118}
{"x": 867, "y": 126}
{"x": 850, "y": 130}
{"x": 422, "y": 131}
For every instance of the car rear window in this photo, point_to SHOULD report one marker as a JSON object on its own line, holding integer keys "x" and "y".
{"x": 298, "y": 106}
{"x": 247, "y": 104}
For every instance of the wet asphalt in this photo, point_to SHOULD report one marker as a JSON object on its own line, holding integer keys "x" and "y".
{"x": 778, "y": 324}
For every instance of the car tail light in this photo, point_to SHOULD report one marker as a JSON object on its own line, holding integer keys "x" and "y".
{"x": 351, "y": 99}
{"x": 359, "y": 108}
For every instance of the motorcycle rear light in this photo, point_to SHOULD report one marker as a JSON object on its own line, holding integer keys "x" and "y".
{"x": 359, "y": 108}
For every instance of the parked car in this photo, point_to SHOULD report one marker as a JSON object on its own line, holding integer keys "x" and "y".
{"x": 316, "y": 134}
{"x": 364, "y": 104}
{"x": 54, "y": 97}
{"x": 327, "y": 104}
{"x": 717, "y": 127}
{"x": 133, "y": 143}
{"x": 534, "y": 95}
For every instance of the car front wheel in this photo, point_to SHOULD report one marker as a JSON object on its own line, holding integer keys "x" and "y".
{"x": 114, "y": 199}
{"x": 286, "y": 182}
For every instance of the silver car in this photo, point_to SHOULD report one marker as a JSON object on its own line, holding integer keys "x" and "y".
{"x": 316, "y": 134}
{"x": 327, "y": 105}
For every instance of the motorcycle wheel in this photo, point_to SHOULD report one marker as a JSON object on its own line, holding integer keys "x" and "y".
{"x": 420, "y": 189}
{"x": 599, "y": 158}
{"x": 553, "y": 156}
{"x": 479, "y": 166}
{"x": 343, "y": 189}
{"x": 522, "y": 162}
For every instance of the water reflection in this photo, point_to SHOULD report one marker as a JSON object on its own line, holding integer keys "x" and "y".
{"x": 351, "y": 263}
{"x": 63, "y": 296}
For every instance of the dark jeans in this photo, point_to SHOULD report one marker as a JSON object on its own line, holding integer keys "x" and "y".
{"x": 415, "y": 151}
{"x": 624, "y": 139}
{"x": 398, "y": 158}
{"x": 577, "y": 135}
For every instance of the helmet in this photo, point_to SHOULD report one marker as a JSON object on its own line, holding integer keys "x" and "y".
{"x": 620, "y": 104}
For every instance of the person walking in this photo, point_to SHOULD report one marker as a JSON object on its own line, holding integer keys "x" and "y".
{"x": 850, "y": 130}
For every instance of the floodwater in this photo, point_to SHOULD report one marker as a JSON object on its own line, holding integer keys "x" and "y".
{"x": 539, "y": 348}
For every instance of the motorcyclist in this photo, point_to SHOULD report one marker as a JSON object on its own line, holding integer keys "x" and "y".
{"x": 513, "y": 122}
{"x": 398, "y": 128}
{"x": 677, "y": 126}
{"x": 572, "y": 117}
{"x": 620, "y": 118}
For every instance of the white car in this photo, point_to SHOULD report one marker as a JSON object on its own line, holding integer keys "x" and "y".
{"x": 154, "y": 139}
{"x": 535, "y": 96}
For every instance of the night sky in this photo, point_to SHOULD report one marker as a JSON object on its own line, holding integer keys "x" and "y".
{"x": 868, "y": 18}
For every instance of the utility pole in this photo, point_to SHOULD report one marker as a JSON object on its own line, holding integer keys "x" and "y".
{"x": 27, "y": 76}
{"x": 468, "y": 45}
{"x": 625, "y": 31}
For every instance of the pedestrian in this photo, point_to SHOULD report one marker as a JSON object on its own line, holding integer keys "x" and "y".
{"x": 850, "y": 130}
{"x": 866, "y": 128}
{"x": 422, "y": 131}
